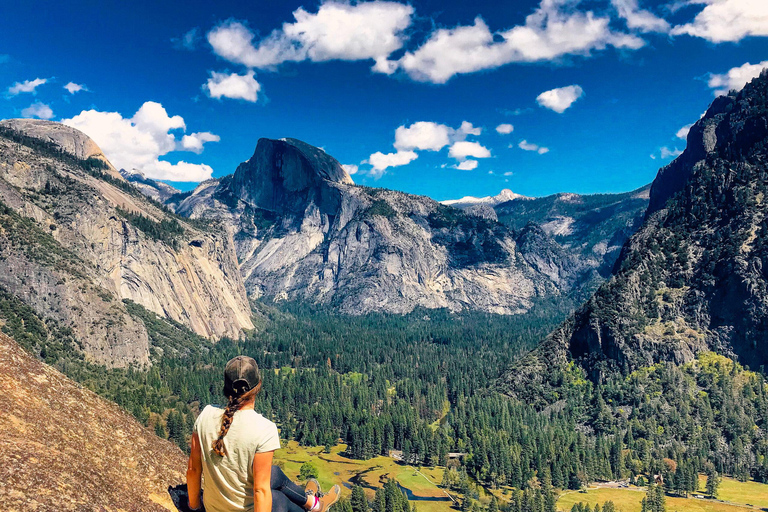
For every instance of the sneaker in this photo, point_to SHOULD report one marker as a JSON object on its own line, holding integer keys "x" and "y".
{"x": 330, "y": 498}
{"x": 312, "y": 488}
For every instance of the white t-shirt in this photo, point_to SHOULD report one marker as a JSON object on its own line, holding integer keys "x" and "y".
{"x": 228, "y": 480}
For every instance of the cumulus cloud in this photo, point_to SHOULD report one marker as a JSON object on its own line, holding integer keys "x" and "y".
{"x": 194, "y": 141}
{"x": 735, "y": 78}
{"x": 560, "y": 99}
{"x": 429, "y": 136}
{"x": 234, "y": 86}
{"x": 468, "y": 165}
{"x": 639, "y": 19}
{"x": 380, "y": 162}
{"x": 350, "y": 168}
{"x": 423, "y": 135}
{"x": 528, "y": 146}
{"x": 505, "y": 128}
{"x": 26, "y": 86}
{"x": 682, "y": 133}
{"x": 38, "y": 110}
{"x": 72, "y": 87}
{"x": 727, "y": 20}
{"x": 337, "y": 31}
{"x": 552, "y": 31}
{"x": 138, "y": 142}
{"x": 463, "y": 149}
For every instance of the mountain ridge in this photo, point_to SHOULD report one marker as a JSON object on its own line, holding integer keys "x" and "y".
{"x": 693, "y": 278}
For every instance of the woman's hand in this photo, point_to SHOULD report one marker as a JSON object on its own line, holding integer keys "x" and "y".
{"x": 262, "y": 489}
{"x": 195, "y": 473}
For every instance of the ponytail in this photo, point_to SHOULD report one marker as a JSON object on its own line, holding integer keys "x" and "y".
{"x": 235, "y": 402}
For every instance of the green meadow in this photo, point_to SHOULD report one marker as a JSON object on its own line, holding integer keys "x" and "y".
{"x": 334, "y": 468}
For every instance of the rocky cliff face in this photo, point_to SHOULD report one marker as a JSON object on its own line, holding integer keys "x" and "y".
{"x": 304, "y": 231}
{"x": 573, "y": 239}
{"x": 157, "y": 190}
{"x": 64, "y": 448}
{"x": 694, "y": 276}
{"x": 76, "y": 240}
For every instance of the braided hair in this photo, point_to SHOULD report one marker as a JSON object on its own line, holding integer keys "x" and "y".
{"x": 235, "y": 402}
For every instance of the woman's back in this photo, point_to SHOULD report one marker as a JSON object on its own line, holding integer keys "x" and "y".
{"x": 229, "y": 480}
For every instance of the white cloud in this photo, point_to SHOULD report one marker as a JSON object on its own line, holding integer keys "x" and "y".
{"x": 528, "y": 146}
{"x": 639, "y": 19}
{"x": 727, "y": 20}
{"x": 350, "y": 168}
{"x": 682, "y": 133}
{"x": 38, "y": 110}
{"x": 428, "y": 136}
{"x": 138, "y": 142}
{"x": 423, "y": 135}
{"x": 735, "y": 78}
{"x": 669, "y": 153}
{"x": 26, "y": 86}
{"x": 554, "y": 30}
{"x": 468, "y": 165}
{"x": 467, "y": 128}
{"x": 72, "y": 87}
{"x": 194, "y": 141}
{"x": 508, "y": 173}
{"x": 505, "y": 128}
{"x": 463, "y": 149}
{"x": 234, "y": 86}
{"x": 560, "y": 99}
{"x": 367, "y": 30}
{"x": 380, "y": 162}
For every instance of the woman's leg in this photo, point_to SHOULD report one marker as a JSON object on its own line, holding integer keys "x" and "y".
{"x": 280, "y": 482}
{"x": 280, "y": 503}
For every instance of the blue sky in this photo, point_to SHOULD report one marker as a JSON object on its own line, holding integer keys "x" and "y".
{"x": 184, "y": 90}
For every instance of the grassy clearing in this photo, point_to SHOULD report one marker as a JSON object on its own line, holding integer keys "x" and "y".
{"x": 751, "y": 493}
{"x": 336, "y": 469}
{"x": 628, "y": 500}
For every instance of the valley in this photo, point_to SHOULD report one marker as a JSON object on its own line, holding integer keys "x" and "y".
{"x": 463, "y": 336}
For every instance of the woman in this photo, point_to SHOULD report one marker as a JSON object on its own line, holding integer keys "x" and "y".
{"x": 232, "y": 449}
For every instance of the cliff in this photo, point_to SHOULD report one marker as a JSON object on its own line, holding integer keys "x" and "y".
{"x": 77, "y": 240}
{"x": 305, "y": 232}
{"x": 695, "y": 276}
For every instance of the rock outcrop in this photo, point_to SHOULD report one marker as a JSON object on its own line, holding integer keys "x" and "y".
{"x": 76, "y": 241}
{"x": 157, "y": 190}
{"x": 305, "y": 232}
{"x": 64, "y": 448}
{"x": 695, "y": 276}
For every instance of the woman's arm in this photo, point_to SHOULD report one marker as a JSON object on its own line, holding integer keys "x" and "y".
{"x": 262, "y": 490}
{"x": 194, "y": 472}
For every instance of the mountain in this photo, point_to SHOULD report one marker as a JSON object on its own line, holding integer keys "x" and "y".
{"x": 154, "y": 189}
{"x": 64, "y": 448}
{"x": 469, "y": 201}
{"x": 694, "y": 277}
{"x": 76, "y": 241}
{"x": 574, "y": 239}
{"x": 304, "y": 231}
